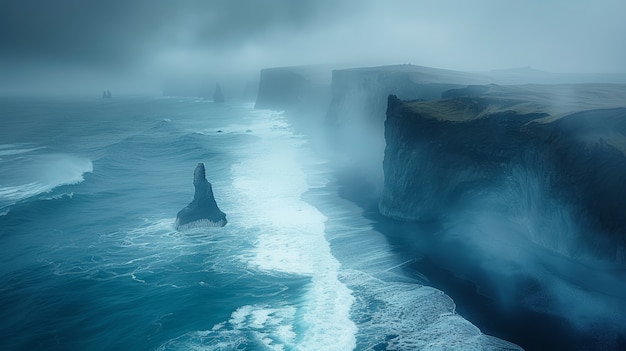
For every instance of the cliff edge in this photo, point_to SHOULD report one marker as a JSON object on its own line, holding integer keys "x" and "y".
{"x": 550, "y": 160}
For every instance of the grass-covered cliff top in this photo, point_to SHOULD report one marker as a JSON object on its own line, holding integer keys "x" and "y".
{"x": 417, "y": 74}
{"x": 552, "y": 101}
{"x": 526, "y": 75}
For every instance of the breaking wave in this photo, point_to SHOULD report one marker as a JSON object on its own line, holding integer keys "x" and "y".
{"x": 38, "y": 174}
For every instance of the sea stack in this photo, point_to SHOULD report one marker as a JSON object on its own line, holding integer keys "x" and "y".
{"x": 218, "y": 96}
{"x": 203, "y": 210}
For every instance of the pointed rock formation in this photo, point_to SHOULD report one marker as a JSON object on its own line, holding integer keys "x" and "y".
{"x": 218, "y": 96}
{"x": 203, "y": 210}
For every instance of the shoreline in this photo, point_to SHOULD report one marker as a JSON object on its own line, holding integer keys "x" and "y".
{"x": 468, "y": 285}
{"x": 442, "y": 265}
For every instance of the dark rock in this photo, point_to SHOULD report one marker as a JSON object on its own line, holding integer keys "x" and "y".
{"x": 203, "y": 210}
{"x": 359, "y": 98}
{"x": 359, "y": 101}
{"x": 551, "y": 156}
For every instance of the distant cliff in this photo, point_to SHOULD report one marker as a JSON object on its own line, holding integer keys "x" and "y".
{"x": 296, "y": 88}
{"x": 550, "y": 158}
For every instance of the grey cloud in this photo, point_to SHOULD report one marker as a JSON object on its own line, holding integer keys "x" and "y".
{"x": 154, "y": 38}
{"x": 117, "y": 32}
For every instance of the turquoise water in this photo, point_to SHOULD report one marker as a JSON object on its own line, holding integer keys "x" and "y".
{"x": 89, "y": 191}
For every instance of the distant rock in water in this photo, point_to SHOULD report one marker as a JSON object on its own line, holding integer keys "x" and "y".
{"x": 218, "y": 96}
{"x": 203, "y": 210}
{"x": 106, "y": 94}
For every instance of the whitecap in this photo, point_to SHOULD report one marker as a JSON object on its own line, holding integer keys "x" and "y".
{"x": 11, "y": 149}
{"x": 249, "y": 327}
{"x": 269, "y": 183}
{"x": 41, "y": 173}
{"x": 59, "y": 196}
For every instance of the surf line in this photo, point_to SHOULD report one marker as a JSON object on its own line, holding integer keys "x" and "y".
{"x": 269, "y": 182}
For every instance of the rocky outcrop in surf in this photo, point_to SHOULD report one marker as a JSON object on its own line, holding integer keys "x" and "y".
{"x": 203, "y": 210}
{"x": 551, "y": 158}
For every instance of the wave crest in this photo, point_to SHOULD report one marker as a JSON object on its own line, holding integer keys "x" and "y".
{"x": 30, "y": 176}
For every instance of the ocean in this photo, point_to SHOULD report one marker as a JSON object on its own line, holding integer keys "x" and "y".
{"x": 90, "y": 259}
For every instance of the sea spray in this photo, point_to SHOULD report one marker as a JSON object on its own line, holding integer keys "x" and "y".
{"x": 270, "y": 182}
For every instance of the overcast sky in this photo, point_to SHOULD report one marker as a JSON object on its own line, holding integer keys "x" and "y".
{"x": 146, "y": 40}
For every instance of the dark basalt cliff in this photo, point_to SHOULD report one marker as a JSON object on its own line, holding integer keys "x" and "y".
{"x": 550, "y": 158}
{"x": 359, "y": 99}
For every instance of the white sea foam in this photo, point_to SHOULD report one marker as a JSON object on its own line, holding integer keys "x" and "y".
{"x": 394, "y": 311}
{"x": 249, "y": 328}
{"x": 201, "y": 223}
{"x": 42, "y": 173}
{"x": 145, "y": 254}
{"x": 409, "y": 316}
{"x": 59, "y": 196}
{"x": 269, "y": 183}
{"x": 11, "y": 149}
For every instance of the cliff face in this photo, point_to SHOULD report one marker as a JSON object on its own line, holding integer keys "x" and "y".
{"x": 548, "y": 160}
{"x": 359, "y": 98}
{"x": 295, "y": 88}
{"x": 359, "y": 94}
{"x": 281, "y": 88}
